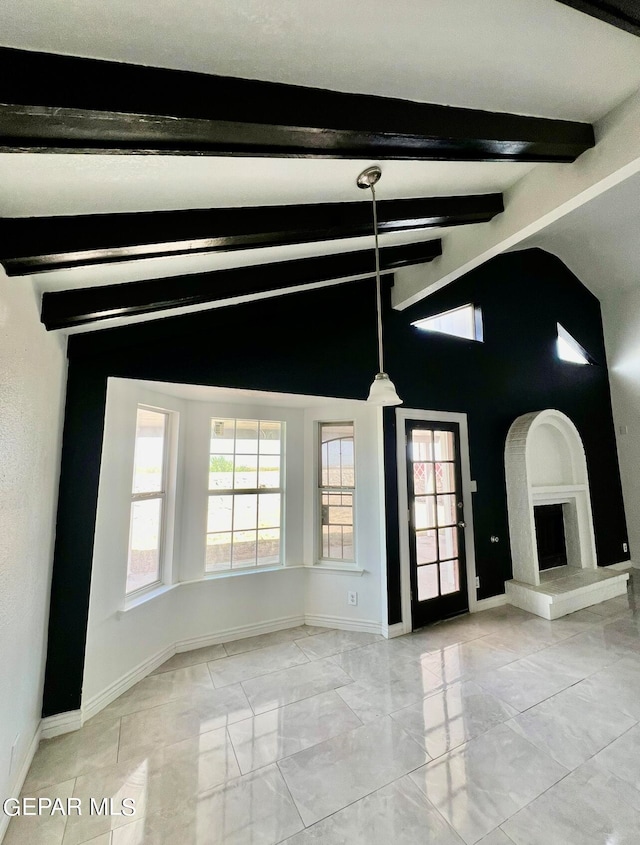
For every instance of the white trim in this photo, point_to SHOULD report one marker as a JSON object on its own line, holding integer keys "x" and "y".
{"x": 117, "y": 688}
{"x": 623, "y": 566}
{"x": 492, "y": 601}
{"x": 15, "y": 788}
{"x": 343, "y": 623}
{"x": 402, "y": 415}
{"x": 335, "y": 568}
{"x": 138, "y": 598}
{"x": 391, "y": 631}
{"x": 61, "y": 723}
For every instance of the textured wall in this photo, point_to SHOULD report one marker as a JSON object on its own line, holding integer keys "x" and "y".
{"x": 32, "y": 371}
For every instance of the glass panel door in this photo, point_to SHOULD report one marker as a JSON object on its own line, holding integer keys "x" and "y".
{"x": 436, "y": 522}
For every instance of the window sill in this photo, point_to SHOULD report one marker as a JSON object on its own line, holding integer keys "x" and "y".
{"x": 346, "y": 569}
{"x": 143, "y": 598}
{"x": 235, "y": 573}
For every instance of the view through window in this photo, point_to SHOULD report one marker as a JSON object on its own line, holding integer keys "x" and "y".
{"x": 337, "y": 487}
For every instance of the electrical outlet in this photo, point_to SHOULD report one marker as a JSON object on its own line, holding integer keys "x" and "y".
{"x": 477, "y": 582}
{"x": 625, "y": 548}
{"x": 352, "y": 598}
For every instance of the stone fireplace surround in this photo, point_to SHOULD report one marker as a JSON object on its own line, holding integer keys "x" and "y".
{"x": 545, "y": 464}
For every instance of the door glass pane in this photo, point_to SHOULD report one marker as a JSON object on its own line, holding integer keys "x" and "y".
{"x": 219, "y": 516}
{"x": 268, "y": 546}
{"x": 426, "y": 548}
{"x": 149, "y": 451}
{"x": 448, "y": 541}
{"x": 445, "y": 478}
{"x": 427, "y": 582}
{"x": 449, "y": 577}
{"x": 422, "y": 478}
{"x": 244, "y": 548}
{"x": 443, "y": 445}
{"x": 246, "y": 472}
{"x": 221, "y": 472}
{"x": 218, "y": 551}
{"x": 425, "y": 512}
{"x": 144, "y": 544}
{"x": 447, "y": 510}
{"x": 421, "y": 445}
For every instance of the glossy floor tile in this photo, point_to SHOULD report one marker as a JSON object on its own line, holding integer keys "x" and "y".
{"x": 478, "y": 786}
{"x": 496, "y": 728}
{"x": 335, "y": 773}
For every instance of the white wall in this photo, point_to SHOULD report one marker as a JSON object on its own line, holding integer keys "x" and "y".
{"x": 32, "y": 377}
{"x": 621, "y": 318}
{"x": 124, "y": 644}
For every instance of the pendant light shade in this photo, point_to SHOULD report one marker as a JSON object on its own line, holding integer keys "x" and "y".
{"x": 382, "y": 391}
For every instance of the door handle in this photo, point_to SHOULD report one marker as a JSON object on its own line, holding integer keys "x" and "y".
{"x": 462, "y": 525}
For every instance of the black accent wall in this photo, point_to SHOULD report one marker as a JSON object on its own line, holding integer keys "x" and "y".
{"x": 323, "y": 342}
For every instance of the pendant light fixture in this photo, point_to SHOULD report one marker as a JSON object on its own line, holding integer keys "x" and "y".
{"x": 382, "y": 391}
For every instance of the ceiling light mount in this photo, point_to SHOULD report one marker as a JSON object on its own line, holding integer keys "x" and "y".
{"x": 369, "y": 177}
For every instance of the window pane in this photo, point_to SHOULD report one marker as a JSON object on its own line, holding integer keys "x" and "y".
{"x": 337, "y": 526}
{"x": 426, "y": 548}
{"x": 427, "y": 582}
{"x": 449, "y": 577}
{"x": 244, "y": 548}
{"x": 270, "y": 437}
{"x": 269, "y": 505}
{"x": 245, "y": 512}
{"x": 459, "y": 322}
{"x": 443, "y": 445}
{"x": 220, "y": 513}
{"x": 337, "y": 455}
{"x": 421, "y": 445}
{"x": 269, "y": 467}
{"x": 247, "y": 437}
{"x": 447, "y": 510}
{"x": 218, "y": 551}
{"x": 222, "y": 436}
{"x": 268, "y": 546}
{"x": 445, "y": 478}
{"x": 143, "y": 567}
{"x": 448, "y": 541}
{"x": 425, "y": 512}
{"x": 220, "y": 472}
{"x": 422, "y": 478}
{"x": 246, "y": 472}
{"x": 149, "y": 452}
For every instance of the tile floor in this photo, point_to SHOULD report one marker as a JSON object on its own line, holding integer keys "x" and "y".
{"x": 501, "y": 728}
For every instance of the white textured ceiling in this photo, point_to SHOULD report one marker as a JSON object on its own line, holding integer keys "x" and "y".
{"x": 527, "y": 56}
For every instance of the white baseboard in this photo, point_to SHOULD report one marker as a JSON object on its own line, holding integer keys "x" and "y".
{"x": 241, "y": 633}
{"x": 61, "y": 723}
{"x": 487, "y": 604}
{"x": 343, "y": 623}
{"x": 391, "y": 631}
{"x": 15, "y": 788}
{"x": 98, "y": 702}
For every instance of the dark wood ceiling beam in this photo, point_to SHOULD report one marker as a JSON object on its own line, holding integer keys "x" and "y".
{"x": 66, "y": 103}
{"x": 625, "y": 14}
{"x": 67, "y": 308}
{"x": 38, "y": 244}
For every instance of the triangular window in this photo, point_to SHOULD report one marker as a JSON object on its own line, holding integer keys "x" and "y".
{"x": 465, "y": 322}
{"x": 569, "y": 349}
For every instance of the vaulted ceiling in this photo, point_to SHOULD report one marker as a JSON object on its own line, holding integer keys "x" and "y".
{"x": 163, "y": 157}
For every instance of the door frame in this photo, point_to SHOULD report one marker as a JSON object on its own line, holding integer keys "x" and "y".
{"x": 402, "y": 415}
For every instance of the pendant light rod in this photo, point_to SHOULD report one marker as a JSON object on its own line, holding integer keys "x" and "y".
{"x": 368, "y": 179}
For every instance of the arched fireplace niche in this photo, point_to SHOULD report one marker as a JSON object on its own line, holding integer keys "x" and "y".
{"x": 545, "y": 464}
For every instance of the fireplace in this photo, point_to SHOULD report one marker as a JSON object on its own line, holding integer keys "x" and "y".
{"x": 550, "y": 539}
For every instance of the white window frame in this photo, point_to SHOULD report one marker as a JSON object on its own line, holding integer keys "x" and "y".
{"x": 281, "y": 490}
{"x": 320, "y": 489}
{"x": 478, "y": 333}
{"x": 163, "y": 495}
